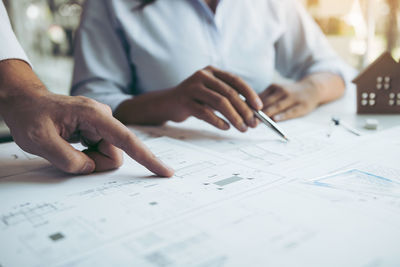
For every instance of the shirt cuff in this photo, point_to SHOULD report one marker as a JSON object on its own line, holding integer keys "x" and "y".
{"x": 341, "y": 69}
{"x": 98, "y": 92}
{"x": 10, "y": 47}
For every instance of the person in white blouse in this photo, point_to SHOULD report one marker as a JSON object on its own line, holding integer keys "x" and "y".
{"x": 42, "y": 122}
{"x": 154, "y": 61}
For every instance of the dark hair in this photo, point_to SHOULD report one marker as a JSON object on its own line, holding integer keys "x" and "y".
{"x": 144, "y": 3}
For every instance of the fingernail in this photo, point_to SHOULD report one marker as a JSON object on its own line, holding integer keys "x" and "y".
{"x": 225, "y": 126}
{"x": 253, "y": 122}
{"x": 278, "y": 117}
{"x": 89, "y": 167}
{"x": 242, "y": 127}
{"x": 259, "y": 103}
{"x": 170, "y": 170}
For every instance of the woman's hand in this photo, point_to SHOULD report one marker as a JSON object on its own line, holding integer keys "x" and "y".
{"x": 206, "y": 91}
{"x": 210, "y": 90}
{"x": 283, "y": 102}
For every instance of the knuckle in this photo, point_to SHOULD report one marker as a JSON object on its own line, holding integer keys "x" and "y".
{"x": 117, "y": 160}
{"x": 232, "y": 94}
{"x": 127, "y": 139}
{"x": 235, "y": 79}
{"x": 240, "y": 81}
{"x": 202, "y": 113}
{"x": 201, "y": 73}
{"x": 249, "y": 115}
{"x": 107, "y": 109}
{"x": 275, "y": 86}
{"x": 85, "y": 100}
{"x": 90, "y": 104}
{"x": 81, "y": 98}
{"x": 209, "y": 67}
{"x": 222, "y": 102}
{"x": 236, "y": 120}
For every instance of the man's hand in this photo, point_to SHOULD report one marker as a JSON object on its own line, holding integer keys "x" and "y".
{"x": 43, "y": 123}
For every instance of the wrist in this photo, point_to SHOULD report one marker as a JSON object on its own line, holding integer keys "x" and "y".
{"x": 152, "y": 108}
{"x": 313, "y": 88}
{"x": 325, "y": 86}
{"x": 18, "y": 85}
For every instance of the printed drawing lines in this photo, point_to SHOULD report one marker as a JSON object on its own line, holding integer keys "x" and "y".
{"x": 36, "y": 215}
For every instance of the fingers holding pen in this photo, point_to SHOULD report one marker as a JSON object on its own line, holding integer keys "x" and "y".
{"x": 240, "y": 86}
{"x": 223, "y": 105}
{"x": 219, "y": 91}
{"x": 232, "y": 97}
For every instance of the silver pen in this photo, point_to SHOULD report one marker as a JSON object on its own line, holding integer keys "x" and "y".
{"x": 352, "y": 130}
{"x": 267, "y": 121}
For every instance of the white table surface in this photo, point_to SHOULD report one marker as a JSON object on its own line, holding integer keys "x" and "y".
{"x": 345, "y": 109}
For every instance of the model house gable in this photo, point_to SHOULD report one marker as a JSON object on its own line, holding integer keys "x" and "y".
{"x": 378, "y": 87}
{"x": 379, "y": 73}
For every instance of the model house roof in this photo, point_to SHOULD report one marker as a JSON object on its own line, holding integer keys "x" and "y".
{"x": 384, "y": 63}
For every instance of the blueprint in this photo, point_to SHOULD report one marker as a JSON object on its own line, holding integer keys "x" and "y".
{"x": 335, "y": 205}
{"x": 52, "y": 211}
{"x": 260, "y": 146}
{"x": 15, "y": 161}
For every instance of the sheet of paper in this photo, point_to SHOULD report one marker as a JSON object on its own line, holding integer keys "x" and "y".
{"x": 282, "y": 225}
{"x": 47, "y": 217}
{"x": 216, "y": 211}
{"x": 382, "y": 148}
{"x": 15, "y": 161}
{"x": 260, "y": 146}
{"x": 289, "y": 228}
{"x": 364, "y": 186}
{"x": 294, "y": 224}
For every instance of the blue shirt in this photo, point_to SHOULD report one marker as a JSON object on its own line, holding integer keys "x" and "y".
{"x": 121, "y": 51}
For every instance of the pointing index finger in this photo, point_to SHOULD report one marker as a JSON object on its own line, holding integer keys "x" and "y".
{"x": 114, "y": 132}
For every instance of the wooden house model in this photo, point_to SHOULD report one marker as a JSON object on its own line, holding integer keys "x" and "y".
{"x": 378, "y": 87}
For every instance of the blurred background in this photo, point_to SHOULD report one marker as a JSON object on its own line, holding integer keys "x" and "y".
{"x": 359, "y": 30}
{"x": 45, "y": 29}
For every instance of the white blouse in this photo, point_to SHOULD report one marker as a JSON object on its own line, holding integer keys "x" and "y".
{"x": 121, "y": 51}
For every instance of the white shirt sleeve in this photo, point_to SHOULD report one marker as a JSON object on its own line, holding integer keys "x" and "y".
{"x": 106, "y": 78}
{"x": 303, "y": 49}
{"x": 9, "y": 45}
